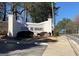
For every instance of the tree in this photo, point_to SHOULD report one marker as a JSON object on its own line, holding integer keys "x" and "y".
{"x": 71, "y": 28}
{"x": 17, "y": 8}
{"x": 77, "y": 23}
{"x": 39, "y": 11}
{"x": 61, "y": 25}
{"x": 3, "y": 10}
{"x": 28, "y": 8}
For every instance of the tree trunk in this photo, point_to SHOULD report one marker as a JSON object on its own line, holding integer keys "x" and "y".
{"x": 12, "y": 8}
{"x": 4, "y": 7}
{"x": 16, "y": 12}
{"x": 26, "y": 15}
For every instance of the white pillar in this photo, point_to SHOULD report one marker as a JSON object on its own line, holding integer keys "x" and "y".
{"x": 11, "y": 26}
{"x": 53, "y": 17}
{"x": 50, "y": 25}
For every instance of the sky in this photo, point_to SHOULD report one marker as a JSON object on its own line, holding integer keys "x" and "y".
{"x": 67, "y": 10}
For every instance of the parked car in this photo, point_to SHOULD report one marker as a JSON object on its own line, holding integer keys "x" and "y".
{"x": 25, "y": 34}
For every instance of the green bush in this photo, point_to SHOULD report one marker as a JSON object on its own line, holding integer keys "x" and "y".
{"x": 43, "y": 34}
{"x": 56, "y": 34}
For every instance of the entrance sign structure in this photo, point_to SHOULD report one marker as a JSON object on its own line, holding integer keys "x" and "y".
{"x": 14, "y": 27}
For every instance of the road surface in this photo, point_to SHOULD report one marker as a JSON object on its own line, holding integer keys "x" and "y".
{"x": 21, "y": 48}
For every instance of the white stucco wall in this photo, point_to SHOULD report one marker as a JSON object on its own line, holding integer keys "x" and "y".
{"x": 14, "y": 27}
{"x": 11, "y": 26}
{"x": 48, "y": 26}
{"x": 45, "y": 26}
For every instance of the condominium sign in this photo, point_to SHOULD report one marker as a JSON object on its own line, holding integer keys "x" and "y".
{"x": 14, "y": 27}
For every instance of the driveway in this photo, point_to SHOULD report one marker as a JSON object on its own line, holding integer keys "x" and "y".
{"x": 21, "y": 48}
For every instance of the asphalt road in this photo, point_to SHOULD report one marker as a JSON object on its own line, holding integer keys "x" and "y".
{"x": 74, "y": 37}
{"x": 14, "y": 48}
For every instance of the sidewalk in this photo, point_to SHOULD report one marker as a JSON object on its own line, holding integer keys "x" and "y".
{"x": 60, "y": 48}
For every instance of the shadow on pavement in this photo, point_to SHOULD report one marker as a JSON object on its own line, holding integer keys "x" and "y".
{"x": 7, "y": 47}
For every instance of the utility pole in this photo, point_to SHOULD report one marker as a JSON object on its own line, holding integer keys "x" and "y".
{"x": 53, "y": 16}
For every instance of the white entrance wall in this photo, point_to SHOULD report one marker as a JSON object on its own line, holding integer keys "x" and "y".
{"x": 14, "y": 27}
{"x": 11, "y": 26}
{"x": 45, "y": 26}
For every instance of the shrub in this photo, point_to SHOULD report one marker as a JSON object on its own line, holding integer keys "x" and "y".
{"x": 56, "y": 33}
{"x": 43, "y": 34}
{"x": 25, "y": 34}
